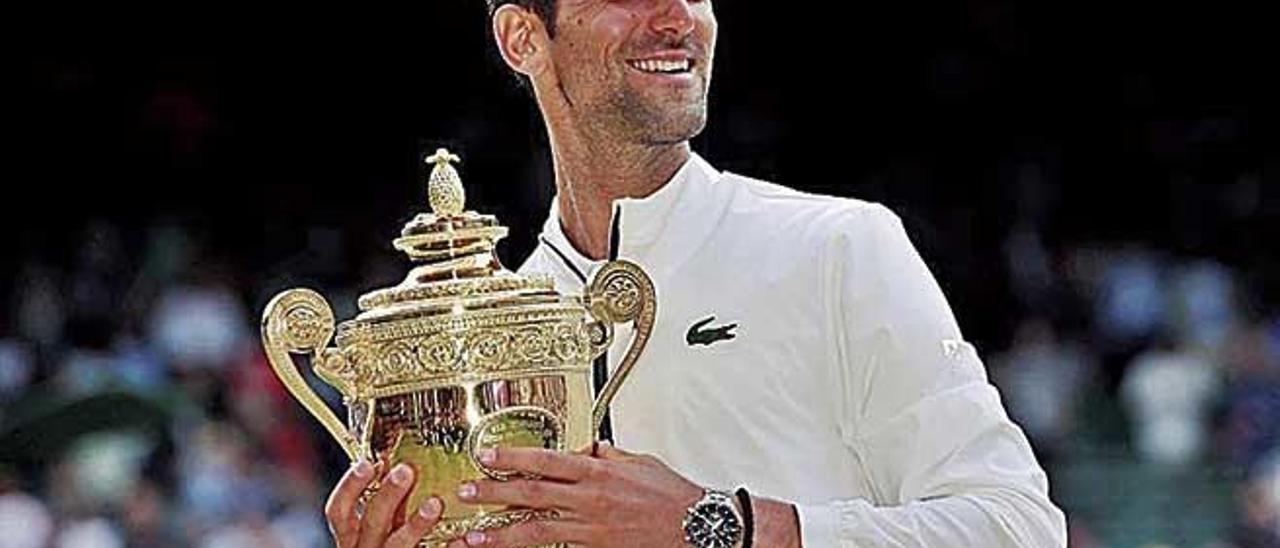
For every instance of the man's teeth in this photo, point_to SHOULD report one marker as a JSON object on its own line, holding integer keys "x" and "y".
{"x": 654, "y": 65}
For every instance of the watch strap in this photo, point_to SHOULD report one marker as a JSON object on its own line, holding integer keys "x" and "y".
{"x": 748, "y": 517}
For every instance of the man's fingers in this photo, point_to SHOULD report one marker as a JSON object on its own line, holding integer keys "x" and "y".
{"x": 588, "y": 450}
{"x": 607, "y": 451}
{"x": 531, "y": 533}
{"x": 417, "y": 526}
{"x": 541, "y": 462}
{"x": 519, "y": 492}
{"x": 340, "y": 510}
{"x": 381, "y": 511}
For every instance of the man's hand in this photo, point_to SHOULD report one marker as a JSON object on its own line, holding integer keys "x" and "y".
{"x": 613, "y": 499}
{"x": 373, "y": 528}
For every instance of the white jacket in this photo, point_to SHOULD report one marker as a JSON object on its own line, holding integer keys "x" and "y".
{"x": 847, "y": 388}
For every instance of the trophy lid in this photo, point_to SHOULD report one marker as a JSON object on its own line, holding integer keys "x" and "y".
{"x": 458, "y": 312}
{"x": 456, "y": 268}
{"x": 458, "y": 317}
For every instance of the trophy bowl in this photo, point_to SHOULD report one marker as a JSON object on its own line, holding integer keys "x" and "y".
{"x": 462, "y": 355}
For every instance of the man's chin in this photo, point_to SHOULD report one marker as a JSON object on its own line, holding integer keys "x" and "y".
{"x": 670, "y": 136}
{"x": 677, "y": 127}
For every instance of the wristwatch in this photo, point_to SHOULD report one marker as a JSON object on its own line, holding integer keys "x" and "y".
{"x": 714, "y": 521}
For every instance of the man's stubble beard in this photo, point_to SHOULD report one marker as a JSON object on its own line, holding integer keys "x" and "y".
{"x": 628, "y": 116}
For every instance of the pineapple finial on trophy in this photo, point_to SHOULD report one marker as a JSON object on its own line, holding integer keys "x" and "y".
{"x": 444, "y": 189}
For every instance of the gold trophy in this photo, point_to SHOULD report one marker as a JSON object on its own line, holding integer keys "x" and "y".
{"x": 461, "y": 355}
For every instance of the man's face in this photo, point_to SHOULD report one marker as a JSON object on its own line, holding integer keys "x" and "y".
{"x": 636, "y": 69}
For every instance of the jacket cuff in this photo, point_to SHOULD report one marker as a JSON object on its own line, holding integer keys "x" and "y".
{"x": 819, "y": 525}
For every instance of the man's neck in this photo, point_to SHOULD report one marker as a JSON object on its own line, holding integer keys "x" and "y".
{"x": 591, "y": 173}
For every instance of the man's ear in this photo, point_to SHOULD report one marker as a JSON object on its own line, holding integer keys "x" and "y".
{"x": 522, "y": 40}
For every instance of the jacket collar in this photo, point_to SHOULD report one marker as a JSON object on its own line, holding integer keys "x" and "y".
{"x": 685, "y": 207}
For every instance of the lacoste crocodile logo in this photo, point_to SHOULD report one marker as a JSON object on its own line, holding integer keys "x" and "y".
{"x": 697, "y": 335}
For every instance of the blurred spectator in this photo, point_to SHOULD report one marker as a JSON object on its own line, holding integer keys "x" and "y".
{"x": 145, "y": 519}
{"x": 199, "y": 326}
{"x": 17, "y": 365}
{"x": 268, "y": 413}
{"x": 24, "y": 520}
{"x": 1259, "y": 501}
{"x": 300, "y": 524}
{"x": 1042, "y": 378}
{"x": 1031, "y": 275}
{"x": 1131, "y": 303}
{"x": 250, "y": 531}
{"x": 38, "y": 308}
{"x": 1251, "y": 426}
{"x": 220, "y": 481}
{"x": 1203, "y": 308}
{"x": 137, "y": 367}
{"x": 96, "y": 286}
{"x": 1168, "y": 392}
{"x": 89, "y": 533}
{"x": 1080, "y": 536}
{"x": 86, "y": 370}
{"x": 1273, "y": 337}
{"x": 104, "y": 466}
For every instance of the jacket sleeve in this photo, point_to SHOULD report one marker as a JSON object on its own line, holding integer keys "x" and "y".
{"x": 945, "y": 464}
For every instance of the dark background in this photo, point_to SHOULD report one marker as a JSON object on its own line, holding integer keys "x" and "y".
{"x": 1143, "y": 121}
{"x": 288, "y": 151}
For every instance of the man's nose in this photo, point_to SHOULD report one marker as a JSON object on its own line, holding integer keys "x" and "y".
{"x": 673, "y": 17}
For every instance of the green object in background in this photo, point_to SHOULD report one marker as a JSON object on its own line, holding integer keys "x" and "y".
{"x": 41, "y": 427}
{"x": 1126, "y": 502}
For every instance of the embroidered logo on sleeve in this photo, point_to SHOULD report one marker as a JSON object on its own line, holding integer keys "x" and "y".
{"x": 956, "y": 348}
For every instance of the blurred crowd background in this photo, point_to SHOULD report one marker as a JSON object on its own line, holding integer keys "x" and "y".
{"x": 1097, "y": 191}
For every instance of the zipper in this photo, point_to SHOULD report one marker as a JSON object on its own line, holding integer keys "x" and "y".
{"x": 600, "y": 373}
{"x": 600, "y": 369}
{"x": 565, "y": 259}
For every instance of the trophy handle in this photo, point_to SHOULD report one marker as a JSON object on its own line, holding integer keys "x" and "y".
{"x": 299, "y": 321}
{"x": 620, "y": 292}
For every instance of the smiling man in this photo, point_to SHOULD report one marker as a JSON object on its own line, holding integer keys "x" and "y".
{"x": 806, "y": 383}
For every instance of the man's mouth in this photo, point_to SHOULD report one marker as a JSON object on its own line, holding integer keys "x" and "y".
{"x": 662, "y": 66}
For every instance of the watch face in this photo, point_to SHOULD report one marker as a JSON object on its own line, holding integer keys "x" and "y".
{"x": 713, "y": 526}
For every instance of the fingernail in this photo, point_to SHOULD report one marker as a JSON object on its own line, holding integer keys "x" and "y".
{"x": 486, "y": 456}
{"x": 401, "y": 475}
{"x": 430, "y": 509}
{"x": 476, "y": 538}
{"x": 362, "y": 469}
{"x": 466, "y": 490}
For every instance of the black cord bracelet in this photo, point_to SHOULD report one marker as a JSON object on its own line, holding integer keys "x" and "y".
{"x": 748, "y": 518}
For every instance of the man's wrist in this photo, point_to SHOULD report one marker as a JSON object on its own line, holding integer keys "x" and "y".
{"x": 776, "y": 523}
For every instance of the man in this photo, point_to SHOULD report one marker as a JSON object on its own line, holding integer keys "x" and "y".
{"x": 803, "y": 353}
